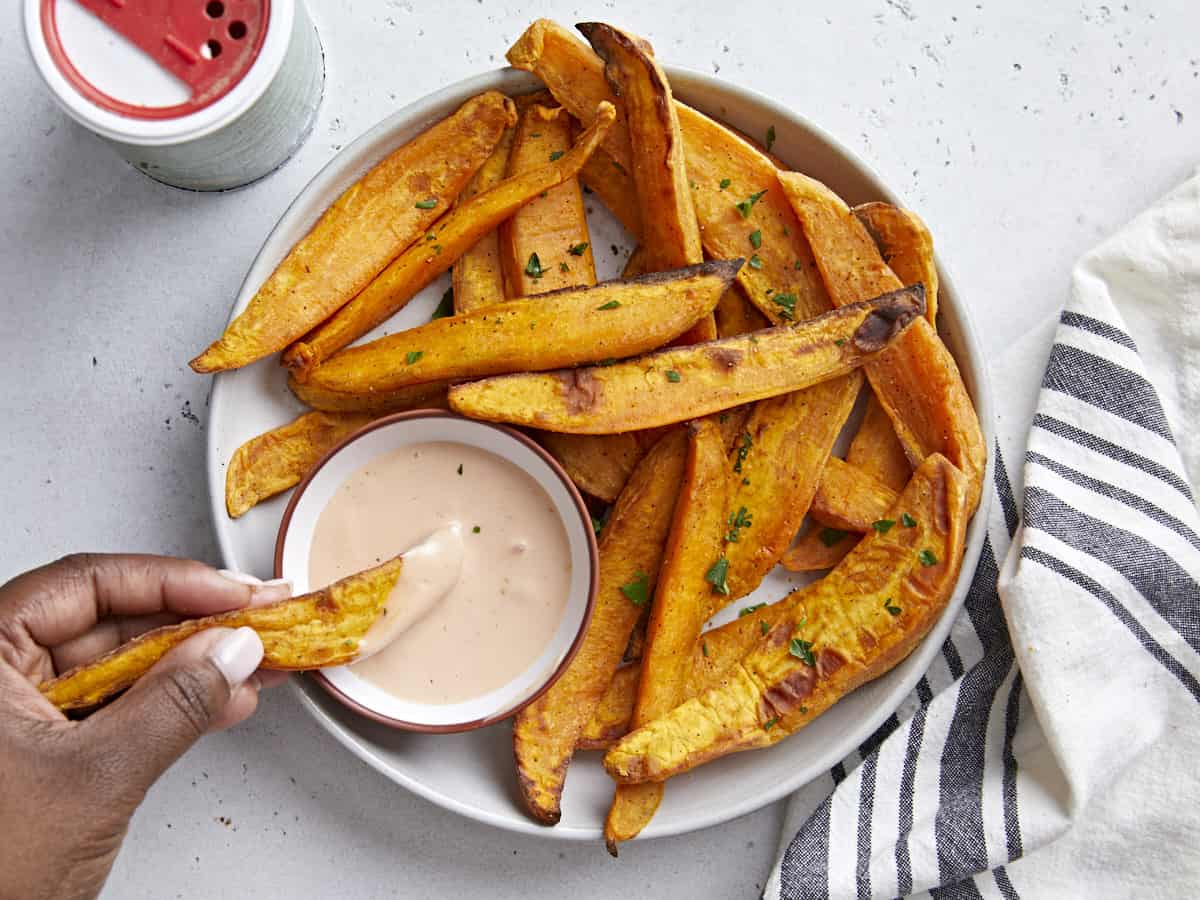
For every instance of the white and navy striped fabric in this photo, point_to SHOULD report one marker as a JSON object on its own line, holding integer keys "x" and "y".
{"x": 1052, "y": 749}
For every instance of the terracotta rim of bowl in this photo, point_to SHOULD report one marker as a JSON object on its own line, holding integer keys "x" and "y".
{"x": 593, "y": 558}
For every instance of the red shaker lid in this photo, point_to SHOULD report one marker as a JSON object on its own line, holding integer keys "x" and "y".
{"x": 208, "y": 45}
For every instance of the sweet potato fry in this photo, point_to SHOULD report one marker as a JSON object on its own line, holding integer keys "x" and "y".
{"x": 307, "y": 632}
{"x": 835, "y": 634}
{"x": 670, "y": 234}
{"x": 477, "y": 277}
{"x": 567, "y": 327}
{"x": 681, "y": 606}
{"x": 631, "y": 546}
{"x": 876, "y": 450}
{"x": 916, "y": 380}
{"x": 431, "y": 395}
{"x": 275, "y": 461}
{"x": 610, "y": 721}
{"x": 366, "y": 228}
{"x": 545, "y": 245}
{"x": 777, "y": 464}
{"x": 850, "y": 499}
{"x": 682, "y": 383}
{"x": 599, "y": 464}
{"x": 449, "y": 238}
{"x": 736, "y": 190}
{"x": 737, "y": 315}
{"x": 906, "y": 245}
{"x": 818, "y": 549}
{"x": 609, "y": 180}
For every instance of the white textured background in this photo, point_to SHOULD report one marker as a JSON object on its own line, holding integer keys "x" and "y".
{"x": 1022, "y": 134}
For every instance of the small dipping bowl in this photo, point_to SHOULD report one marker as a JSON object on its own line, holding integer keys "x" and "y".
{"x": 392, "y": 433}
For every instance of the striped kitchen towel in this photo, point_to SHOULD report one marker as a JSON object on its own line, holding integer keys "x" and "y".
{"x": 1052, "y": 749}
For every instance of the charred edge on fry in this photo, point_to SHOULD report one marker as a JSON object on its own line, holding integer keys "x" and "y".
{"x": 892, "y": 314}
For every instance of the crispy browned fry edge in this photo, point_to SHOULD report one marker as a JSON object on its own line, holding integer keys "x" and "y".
{"x": 562, "y": 328}
{"x": 833, "y": 636}
{"x": 552, "y": 224}
{"x": 714, "y": 154}
{"x": 477, "y": 278}
{"x": 876, "y": 450}
{"x": 610, "y": 721}
{"x": 417, "y": 396}
{"x": 916, "y": 380}
{"x": 272, "y": 462}
{"x": 812, "y": 553}
{"x": 680, "y": 608}
{"x": 450, "y": 237}
{"x": 319, "y": 629}
{"x": 906, "y": 245}
{"x": 850, "y": 499}
{"x": 776, "y": 467}
{"x": 366, "y": 227}
{"x": 631, "y": 546}
{"x": 682, "y": 383}
{"x": 599, "y": 464}
{"x": 670, "y": 233}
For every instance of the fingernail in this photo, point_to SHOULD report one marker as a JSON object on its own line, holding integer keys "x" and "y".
{"x": 271, "y": 591}
{"x": 240, "y": 577}
{"x": 237, "y": 655}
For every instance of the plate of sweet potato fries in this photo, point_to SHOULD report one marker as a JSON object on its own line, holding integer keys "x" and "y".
{"x": 735, "y": 340}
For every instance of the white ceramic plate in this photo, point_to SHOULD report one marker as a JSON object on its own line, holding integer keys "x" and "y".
{"x": 472, "y": 773}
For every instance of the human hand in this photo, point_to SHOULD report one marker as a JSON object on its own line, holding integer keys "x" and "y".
{"x": 68, "y": 788}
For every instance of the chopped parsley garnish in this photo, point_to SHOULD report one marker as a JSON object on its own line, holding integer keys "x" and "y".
{"x": 717, "y": 574}
{"x": 927, "y": 558}
{"x": 611, "y": 304}
{"x": 770, "y": 138}
{"x": 475, "y": 530}
{"x": 737, "y": 521}
{"x": 563, "y": 267}
{"x": 431, "y": 236}
{"x": 725, "y": 182}
{"x": 907, "y": 521}
{"x": 413, "y": 355}
{"x": 578, "y": 249}
{"x": 802, "y": 650}
{"x": 704, "y": 648}
{"x": 883, "y": 526}
{"x": 756, "y": 238}
{"x": 426, "y": 204}
{"x": 831, "y": 536}
{"x": 637, "y": 591}
{"x": 754, "y": 262}
{"x": 839, "y": 342}
{"x": 620, "y": 168}
{"x": 798, "y": 265}
{"x": 748, "y": 204}
{"x": 747, "y": 610}
{"x": 763, "y": 627}
{"x": 557, "y": 154}
{"x": 445, "y": 306}
{"x": 533, "y": 268}
{"x": 673, "y": 376}
{"x": 597, "y": 525}
{"x": 746, "y": 481}
{"x": 770, "y": 723}
{"x": 743, "y": 450}
{"x": 786, "y": 304}
{"x": 692, "y": 184}
{"x": 891, "y": 607}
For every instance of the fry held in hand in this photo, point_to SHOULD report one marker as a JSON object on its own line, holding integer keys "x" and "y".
{"x": 631, "y": 547}
{"x": 567, "y": 327}
{"x": 687, "y": 382}
{"x": 307, "y": 632}
{"x": 834, "y": 635}
{"x": 446, "y": 241}
{"x": 366, "y": 228}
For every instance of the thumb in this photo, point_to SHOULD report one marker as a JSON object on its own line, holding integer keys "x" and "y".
{"x": 198, "y": 686}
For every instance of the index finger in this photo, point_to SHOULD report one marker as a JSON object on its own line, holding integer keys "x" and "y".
{"x": 64, "y": 599}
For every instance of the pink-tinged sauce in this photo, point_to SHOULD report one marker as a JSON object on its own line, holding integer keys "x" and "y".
{"x": 473, "y": 608}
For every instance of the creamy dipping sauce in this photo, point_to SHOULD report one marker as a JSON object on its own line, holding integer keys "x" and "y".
{"x": 514, "y": 569}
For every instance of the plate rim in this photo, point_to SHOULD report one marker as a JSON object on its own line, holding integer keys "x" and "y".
{"x": 974, "y": 366}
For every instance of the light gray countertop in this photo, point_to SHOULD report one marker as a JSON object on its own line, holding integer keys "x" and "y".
{"x": 1022, "y": 137}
